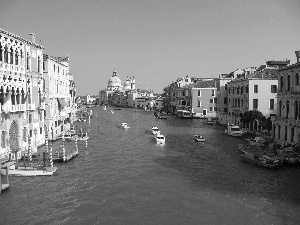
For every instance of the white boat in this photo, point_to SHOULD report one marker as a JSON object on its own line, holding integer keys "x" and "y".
{"x": 104, "y": 107}
{"x": 184, "y": 114}
{"x": 199, "y": 138}
{"x": 125, "y": 125}
{"x": 234, "y": 130}
{"x": 154, "y": 130}
{"x": 27, "y": 171}
{"x": 160, "y": 139}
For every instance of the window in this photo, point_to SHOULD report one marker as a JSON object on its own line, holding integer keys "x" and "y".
{"x": 225, "y": 100}
{"x": 297, "y": 79}
{"x": 213, "y": 93}
{"x": 225, "y": 110}
{"x": 255, "y": 88}
{"x": 199, "y": 92}
{"x": 210, "y": 108}
{"x": 199, "y": 103}
{"x": 225, "y": 87}
{"x": 39, "y": 64}
{"x": 28, "y": 61}
{"x": 288, "y": 83}
{"x": 30, "y": 117}
{"x": 271, "y": 103}
{"x": 215, "y": 108}
{"x": 211, "y": 101}
{"x": 273, "y": 88}
{"x": 3, "y": 139}
{"x": 281, "y": 83}
{"x": 247, "y": 89}
{"x": 255, "y": 103}
{"x": 25, "y": 134}
{"x": 41, "y": 130}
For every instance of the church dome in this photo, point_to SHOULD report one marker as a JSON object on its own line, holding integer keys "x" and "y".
{"x": 114, "y": 81}
{"x": 127, "y": 84}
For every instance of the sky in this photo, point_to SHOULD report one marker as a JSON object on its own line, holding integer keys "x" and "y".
{"x": 156, "y": 41}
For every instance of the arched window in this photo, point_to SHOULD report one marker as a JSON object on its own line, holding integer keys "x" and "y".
{"x": 287, "y": 109}
{"x": 281, "y": 83}
{"x": 279, "y": 108}
{"x": 11, "y": 56}
{"x": 39, "y": 64}
{"x": 288, "y": 83}
{"x": 296, "y": 79}
{"x": 295, "y": 110}
{"x": 27, "y": 61}
{"x": 16, "y": 58}
{"x": 6, "y": 54}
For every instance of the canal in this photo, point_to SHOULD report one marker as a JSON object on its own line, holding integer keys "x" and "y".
{"x": 124, "y": 178}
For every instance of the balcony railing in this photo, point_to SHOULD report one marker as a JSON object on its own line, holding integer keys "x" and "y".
{"x": 31, "y": 106}
{"x": 18, "y": 108}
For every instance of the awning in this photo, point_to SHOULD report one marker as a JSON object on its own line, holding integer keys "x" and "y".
{"x": 62, "y": 102}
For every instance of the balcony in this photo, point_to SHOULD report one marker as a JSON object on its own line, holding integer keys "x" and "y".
{"x": 31, "y": 106}
{"x": 18, "y": 108}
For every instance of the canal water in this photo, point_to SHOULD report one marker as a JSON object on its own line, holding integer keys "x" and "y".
{"x": 122, "y": 177}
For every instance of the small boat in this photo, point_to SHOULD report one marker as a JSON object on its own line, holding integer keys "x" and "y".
{"x": 199, "y": 138}
{"x": 111, "y": 112}
{"x": 104, "y": 107}
{"x": 27, "y": 171}
{"x": 258, "y": 157}
{"x": 234, "y": 130}
{"x": 154, "y": 130}
{"x": 160, "y": 139}
{"x": 209, "y": 121}
{"x": 257, "y": 141}
{"x": 125, "y": 125}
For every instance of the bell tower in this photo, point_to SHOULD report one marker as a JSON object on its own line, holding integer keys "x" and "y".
{"x": 133, "y": 83}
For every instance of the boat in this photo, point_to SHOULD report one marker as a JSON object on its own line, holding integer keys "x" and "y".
{"x": 104, "y": 107}
{"x": 257, "y": 141}
{"x": 184, "y": 114}
{"x": 199, "y": 138}
{"x": 112, "y": 112}
{"x": 234, "y": 130}
{"x": 27, "y": 171}
{"x": 259, "y": 157}
{"x": 160, "y": 139}
{"x": 154, "y": 130}
{"x": 209, "y": 121}
{"x": 125, "y": 125}
{"x": 288, "y": 156}
{"x": 81, "y": 137}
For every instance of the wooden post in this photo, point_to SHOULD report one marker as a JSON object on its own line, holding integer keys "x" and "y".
{"x": 0, "y": 182}
{"x": 7, "y": 181}
{"x": 86, "y": 138}
{"x": 44, "y": 158}
{"x": 50, "y": 155}
{"x": 63, "y": 147}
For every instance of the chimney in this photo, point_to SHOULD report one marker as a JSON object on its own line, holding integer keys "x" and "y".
{"x": 32, "y": 37}
{"x": 297, "y": 55}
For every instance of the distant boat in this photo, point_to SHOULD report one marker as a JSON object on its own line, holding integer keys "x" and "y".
{"x": 209, "y": 121}
{"x": 160, "y": 139}
{"x": 199, "y": 138}
{"x": 125, "y": 125}
{"x": 154, "y": 130}
{"x": 234, "y": 130}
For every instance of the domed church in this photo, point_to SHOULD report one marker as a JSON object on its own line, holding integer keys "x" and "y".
{"x": 115, "y": 84}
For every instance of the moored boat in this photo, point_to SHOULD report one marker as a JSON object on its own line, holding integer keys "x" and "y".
{"x": 234, "y": 130}
{"x": 125, "y": 125}
{"x": 259, "y": 157}
{"x": 160, "y": 139}
{"x": 199, "y": 138}
{"x": 154, "y": 130}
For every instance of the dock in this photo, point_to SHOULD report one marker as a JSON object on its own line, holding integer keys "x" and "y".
{"x": 4, "y": 184}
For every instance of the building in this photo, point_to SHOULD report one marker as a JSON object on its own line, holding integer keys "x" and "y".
{"x": 257, "y": 91}
{"x": 59, "y": 101}
{"x": 21, "y": 94}
{"x": 286, "y": 123}
{"x": 115, "y": 85}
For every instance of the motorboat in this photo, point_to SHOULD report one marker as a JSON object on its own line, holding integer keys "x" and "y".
{"x": 259, "y": 157}
{"x": 199, "y": 138}
{"x": 125, "y": 125}
{"x": 257, "y": 141}
{"x": 160, "y": 139}
{"x": 234, "y": 130}
{"x": 154, "y": 130}
{"x": 209, "y": 121}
